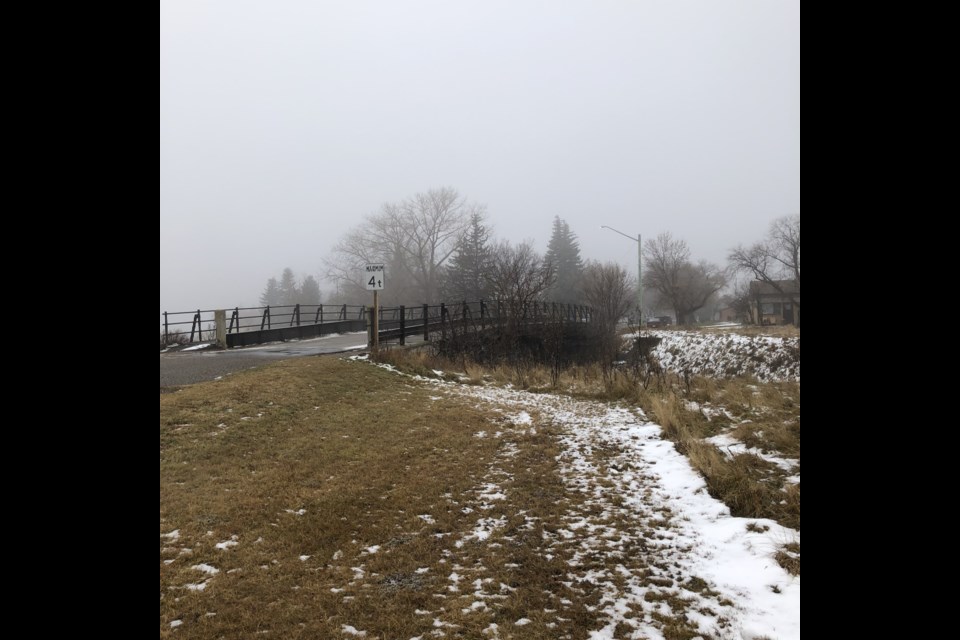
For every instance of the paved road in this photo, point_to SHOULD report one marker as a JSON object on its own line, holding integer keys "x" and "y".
{"x": 186, "y": 367}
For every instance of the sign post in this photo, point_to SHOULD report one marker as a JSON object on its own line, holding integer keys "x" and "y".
{"x": 373, "y": 276}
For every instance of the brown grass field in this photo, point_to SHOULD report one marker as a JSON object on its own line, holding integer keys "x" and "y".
{"x": 364, "y": 454}
{"x": 318, "y": 497}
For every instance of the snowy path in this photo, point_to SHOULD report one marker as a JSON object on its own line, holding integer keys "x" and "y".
{"x": 645, "y": 545}
{"x": 648, "y": 533}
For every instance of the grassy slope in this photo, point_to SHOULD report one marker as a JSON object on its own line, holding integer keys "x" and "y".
{"x": 764, "y": 416}
{"x": 364, "y": 453}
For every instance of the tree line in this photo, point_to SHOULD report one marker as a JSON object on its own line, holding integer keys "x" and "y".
{"x": 288, "y": 291}
{"x": 438, "y": 246}
{"x": 686, "y": 286}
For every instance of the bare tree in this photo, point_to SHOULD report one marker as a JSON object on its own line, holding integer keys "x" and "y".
{"x": 414, "y": 238}
{"x": 518, "y": 276}
{"x": 439, "y": 220}
{"x": 608, "y": 289}
{"x": 683, "y": 285}
{"x": 738, "y": 299}
{"x": 776, "y": 259}
{"x": 374, "y": 241}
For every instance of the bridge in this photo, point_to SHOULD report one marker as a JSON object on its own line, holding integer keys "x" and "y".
{"x": 244, "y": 326}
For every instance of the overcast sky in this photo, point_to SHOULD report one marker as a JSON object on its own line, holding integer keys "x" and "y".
{"x": 283, "y": 123}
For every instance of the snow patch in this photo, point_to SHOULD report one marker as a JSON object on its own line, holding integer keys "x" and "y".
{"x": 522, "y": 418}
{"x": 726, "y": 355}
{"x": 730, "y": 446}
{"x": 206, "y": 568}
{"x": 226, "y": 544}
{"x": 353, "y": 631}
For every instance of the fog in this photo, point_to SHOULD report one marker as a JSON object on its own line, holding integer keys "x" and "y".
{"x": 282, "y": 124}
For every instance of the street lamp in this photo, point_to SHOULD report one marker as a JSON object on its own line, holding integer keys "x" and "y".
{"x": 639, "y": 270}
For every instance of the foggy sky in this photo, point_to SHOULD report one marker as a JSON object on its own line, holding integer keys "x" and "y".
{"x": 283, "y": 123}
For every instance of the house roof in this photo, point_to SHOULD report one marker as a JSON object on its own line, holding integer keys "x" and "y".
{"x": 758, "y": 287}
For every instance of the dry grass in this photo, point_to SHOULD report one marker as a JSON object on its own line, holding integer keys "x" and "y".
{"x": 679, "y": 423}
{"x": 325, "y": 458}
{"x": 744, "y": 482}
{"x": 309, "y": 463}
{"x": 173, "y": 340}
{"x": 361, "y": 452}
{"x": 764, "y": 416}
{"x": 417, "y": 361}
{"x": 771, "y": 437}
{"x": 748, "y": 484}
{"x": 788, "y": 557}
{"x": 766, "y": 419}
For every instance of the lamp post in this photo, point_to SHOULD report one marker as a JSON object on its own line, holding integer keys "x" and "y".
{"x": 639, "y": 271}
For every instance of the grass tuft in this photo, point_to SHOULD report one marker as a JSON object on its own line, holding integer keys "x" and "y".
{"x": 788, "y": 557}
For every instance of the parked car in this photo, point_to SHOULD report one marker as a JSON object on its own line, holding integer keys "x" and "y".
{"x": 659, "y": 321}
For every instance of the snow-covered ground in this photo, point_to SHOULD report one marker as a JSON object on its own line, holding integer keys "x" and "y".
{"x": 644, "y": 529}
{"x": 730, "y": 354}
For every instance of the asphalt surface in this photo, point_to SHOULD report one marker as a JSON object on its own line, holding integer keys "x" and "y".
{"x": 187, "y": 367}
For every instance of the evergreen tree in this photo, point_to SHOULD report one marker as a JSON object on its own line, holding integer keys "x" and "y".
{"x": 310, "y": 291}
{"x": 270, "y": 295}
{"x": 289, "y": 291}
{"x": 466, "y": 276}
{"x": 563, "y": 254}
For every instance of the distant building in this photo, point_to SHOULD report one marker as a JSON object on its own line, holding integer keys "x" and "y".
{"x": 772, "y": 306}
{"x": 729, "y": 314}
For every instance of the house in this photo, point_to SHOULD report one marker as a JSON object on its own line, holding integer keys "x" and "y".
{"x": 728, "y": 314}
{"x": 777, "y": 303}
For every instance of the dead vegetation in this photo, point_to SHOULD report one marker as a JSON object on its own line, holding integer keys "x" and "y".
{"x": 755, "y": 422}
{"x": 304, "y": 466}
{"x": 317, "y": 497}
{"x": 173, "y": 340}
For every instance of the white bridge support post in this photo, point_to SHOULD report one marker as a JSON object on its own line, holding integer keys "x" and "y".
{"x": 220, "y": 320}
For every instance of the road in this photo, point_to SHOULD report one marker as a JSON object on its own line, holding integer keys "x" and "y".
{"x": 186, "y": 367}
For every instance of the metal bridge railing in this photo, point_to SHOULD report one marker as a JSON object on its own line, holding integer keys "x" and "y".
{"x": 198, "y": 326}
{"x": 395, "y": 322}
